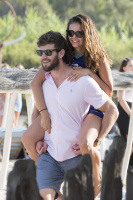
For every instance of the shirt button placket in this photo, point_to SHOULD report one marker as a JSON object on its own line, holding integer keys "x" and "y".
{"x": 58, "y": 119}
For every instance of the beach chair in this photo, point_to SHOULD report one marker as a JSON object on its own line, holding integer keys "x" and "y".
{"x": 16, "y": 145}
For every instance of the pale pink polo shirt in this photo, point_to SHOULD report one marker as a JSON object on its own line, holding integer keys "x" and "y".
{"x": 68, "y": 105}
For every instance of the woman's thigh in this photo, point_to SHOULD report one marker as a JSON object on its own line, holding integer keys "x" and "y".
{"x": 90, "y": 128}
{"x": 35, "y": 132}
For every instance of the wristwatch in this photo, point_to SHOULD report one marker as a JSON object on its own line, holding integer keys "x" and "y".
{"x": 98, "y": 142}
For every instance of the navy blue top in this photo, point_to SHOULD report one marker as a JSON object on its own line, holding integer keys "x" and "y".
{"x": 81, "y": 62}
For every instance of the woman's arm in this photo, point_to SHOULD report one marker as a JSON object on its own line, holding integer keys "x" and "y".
{"x": 36, "y": 86}
{"x": 123, "y": 103}
{"x": 35, "y": 113}
{"x": 105, "y": 81}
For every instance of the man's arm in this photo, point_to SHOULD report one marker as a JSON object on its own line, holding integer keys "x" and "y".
{"x": 110, "y": 116}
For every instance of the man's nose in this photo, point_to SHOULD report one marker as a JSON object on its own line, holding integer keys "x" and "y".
{"x": 44, "y": 55}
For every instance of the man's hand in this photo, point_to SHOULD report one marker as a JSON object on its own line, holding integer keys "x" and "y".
{"x": 41, "y": 147}
{"x": 76, "y": 149}
{"x": 45, "y": 121}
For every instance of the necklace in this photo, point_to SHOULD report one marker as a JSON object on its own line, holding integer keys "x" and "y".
{"x": 76, "y": 55}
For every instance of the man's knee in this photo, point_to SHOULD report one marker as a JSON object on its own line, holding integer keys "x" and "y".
{"x": 47, "y": 194}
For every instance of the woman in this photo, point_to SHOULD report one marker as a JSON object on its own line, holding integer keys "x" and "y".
{"x": 85, "y": 50}
{"x": 125, "y": 99}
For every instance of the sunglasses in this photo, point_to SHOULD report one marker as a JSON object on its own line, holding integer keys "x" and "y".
{"x": 127, "y": 59}
{"x": 78, "y": 34}
{"x": 47, "y": 52}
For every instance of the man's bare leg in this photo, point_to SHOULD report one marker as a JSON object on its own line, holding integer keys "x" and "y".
{"x": 47, "y": 194}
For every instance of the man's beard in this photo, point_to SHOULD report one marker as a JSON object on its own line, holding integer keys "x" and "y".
{"x": 54, "y": 65}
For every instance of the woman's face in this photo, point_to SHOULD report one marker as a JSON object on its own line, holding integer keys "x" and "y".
{"x": 76, "y": 42}
{"x": 129, "y": 66}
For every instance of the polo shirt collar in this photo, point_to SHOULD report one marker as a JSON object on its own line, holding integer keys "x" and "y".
{"x": 51, "y": 81}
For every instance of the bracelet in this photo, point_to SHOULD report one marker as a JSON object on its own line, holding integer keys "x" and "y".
{"x": 42, "y": 110}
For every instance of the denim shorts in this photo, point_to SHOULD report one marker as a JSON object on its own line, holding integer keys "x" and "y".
{"x": 96, "y": 112}
{"x": 50, "y": 173}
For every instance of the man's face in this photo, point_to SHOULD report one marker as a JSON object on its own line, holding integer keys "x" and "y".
{"x": 49, "y": 62}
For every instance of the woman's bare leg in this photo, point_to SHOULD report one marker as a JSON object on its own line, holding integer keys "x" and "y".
{"x": 60, "y": 196}
{"x": 89, "y": 131}
{"x": 16, "y": 117}
{"x": 31, "y": 136}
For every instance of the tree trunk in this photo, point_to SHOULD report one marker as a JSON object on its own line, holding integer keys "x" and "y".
{"x": 79, "y": 181}
{"x": 111, "y": 176}
{"x": 129, "y": 194}
{"x": 22, "y": 183}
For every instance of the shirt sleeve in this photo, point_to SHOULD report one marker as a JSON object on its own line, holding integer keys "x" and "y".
{"x": 94, "y": 95}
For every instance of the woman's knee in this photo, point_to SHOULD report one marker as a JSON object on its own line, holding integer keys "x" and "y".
{"x": 86, "y": 146}
{"x": 25, "y": 138}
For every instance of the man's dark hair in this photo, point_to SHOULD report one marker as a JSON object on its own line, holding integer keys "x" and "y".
{"x": 55, "y": 38}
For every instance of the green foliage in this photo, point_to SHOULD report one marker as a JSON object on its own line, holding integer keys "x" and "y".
{"x": 101, "y": 11}
{"x": 112, "y": 18}
{"x": 117, "y": 43}
{"x": 20, "y": 7}
{"x": 4, "y": 29}
{"x": 24, "y": 51}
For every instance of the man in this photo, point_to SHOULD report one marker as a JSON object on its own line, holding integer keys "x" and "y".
{"x": 68, "y": 104}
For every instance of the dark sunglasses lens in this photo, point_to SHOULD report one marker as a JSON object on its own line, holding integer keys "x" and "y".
{"x": 70, "y": 33}
{"x": 79, "y": 34}
{"x": 39, "y": 52}
{"x": 48, "y": 52}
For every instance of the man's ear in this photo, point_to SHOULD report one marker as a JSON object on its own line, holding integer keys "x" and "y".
{"x": 61, "y": 53}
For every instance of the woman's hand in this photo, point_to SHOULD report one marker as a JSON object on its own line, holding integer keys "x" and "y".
{"x": 76, "y": 149}
{"x": 41, "y": 147}
{"x": 77, "y": 73}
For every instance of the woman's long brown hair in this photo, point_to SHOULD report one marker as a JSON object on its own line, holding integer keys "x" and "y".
{"x": 94, "y": 50}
